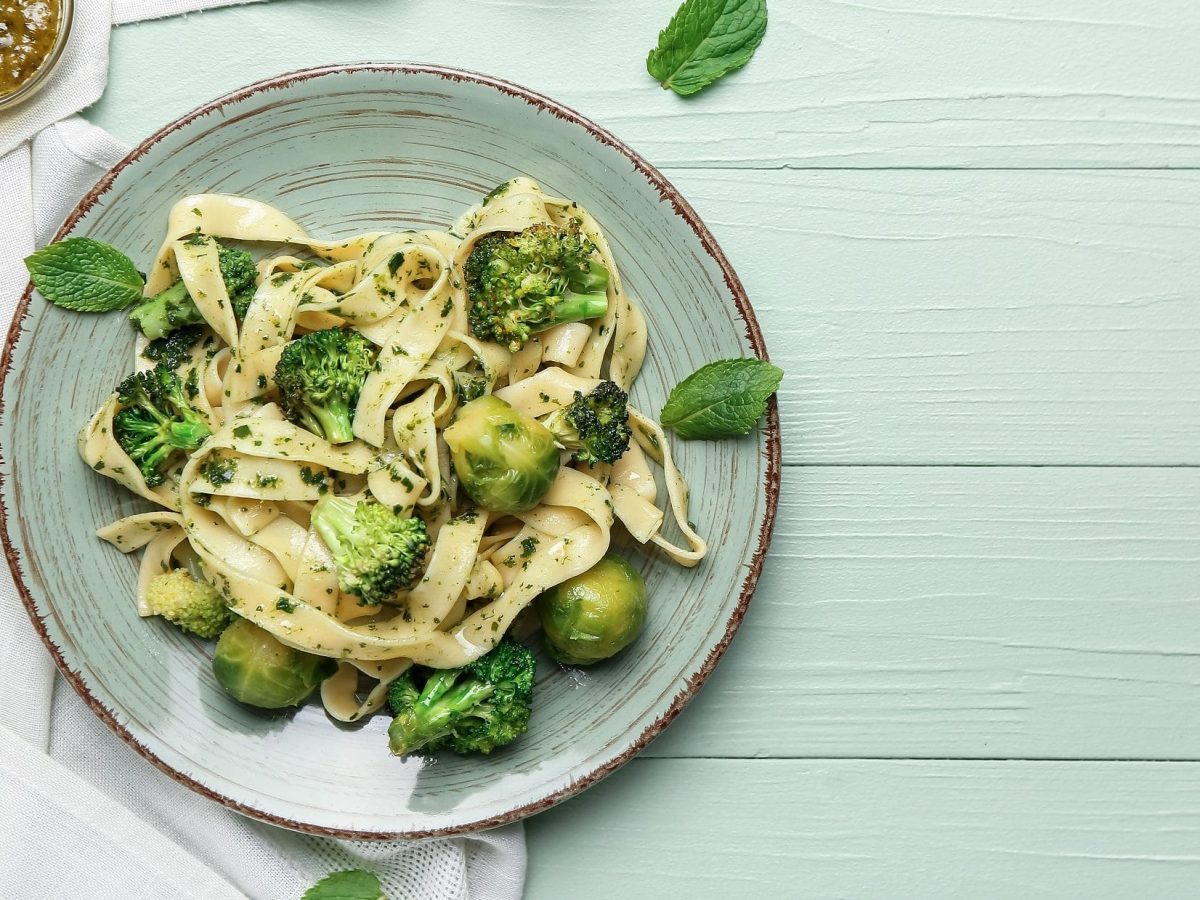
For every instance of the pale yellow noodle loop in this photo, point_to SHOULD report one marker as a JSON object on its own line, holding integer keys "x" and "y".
{"x": 253, "y": 377}
{"x": 648, "y": 430}
{"x": 563, "y": 344}
{"x": 339, "y": 694}
{"x": 546, "y": 391}
{"x": 393, "y": 483}
{"x": 407, "y": 339}
{"x": 450, "y": 567}
{"x": 136, "y": 531}
{"x": 200, "y": 269}
{"x": 246, "y": 517}
{"x": 414, "y": 430}
{"x": 316, "y": 578}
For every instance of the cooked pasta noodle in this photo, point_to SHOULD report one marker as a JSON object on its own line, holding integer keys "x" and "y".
{"x": 249, "y": 532}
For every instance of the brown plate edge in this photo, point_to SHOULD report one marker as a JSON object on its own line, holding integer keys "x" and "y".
{"x": 682, "y": 208}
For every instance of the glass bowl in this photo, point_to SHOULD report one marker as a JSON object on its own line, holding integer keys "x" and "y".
{"x": 41, "y": 75}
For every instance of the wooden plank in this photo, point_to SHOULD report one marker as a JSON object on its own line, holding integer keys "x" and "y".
{"x": 966, "y": 612}
{"x": 836, "y": 82}
{"x": 997, "y": 317}
{"x": 873, "y": 829}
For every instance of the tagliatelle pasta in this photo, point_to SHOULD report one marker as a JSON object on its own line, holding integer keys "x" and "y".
{"x": 247, "y": 529}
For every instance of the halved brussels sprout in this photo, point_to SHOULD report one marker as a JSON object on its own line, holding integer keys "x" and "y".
{"x": 594, "y": 615}
{"x": 505, "y": 461}
{"x": 255, "y": 668}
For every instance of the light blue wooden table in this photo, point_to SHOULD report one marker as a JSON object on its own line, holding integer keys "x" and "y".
{"x": 972, "y": 234}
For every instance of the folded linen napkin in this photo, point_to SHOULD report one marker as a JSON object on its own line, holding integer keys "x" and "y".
{"x": 79, "y": 810}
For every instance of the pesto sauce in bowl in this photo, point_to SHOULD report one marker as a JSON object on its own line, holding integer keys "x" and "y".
{"x": 32, "y": 34}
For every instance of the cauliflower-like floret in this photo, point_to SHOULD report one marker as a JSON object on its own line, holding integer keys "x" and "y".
{"x": 193, "y": 605}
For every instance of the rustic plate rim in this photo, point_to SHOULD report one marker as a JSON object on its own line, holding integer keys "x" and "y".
{"x": 682, "y": 208}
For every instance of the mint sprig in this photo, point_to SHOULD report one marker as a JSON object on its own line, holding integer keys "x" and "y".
{"x": 705, "y": 40}
{"x": 352, "y": 884}
{"x": 85, "y": 275}
{"x": 722, "y": 399}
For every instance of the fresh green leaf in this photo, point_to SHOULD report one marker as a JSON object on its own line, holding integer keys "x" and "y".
{"x": 722, "y": 399}
{"x": 353, "y": 884}
{"x": 705, "y": 40}
{"x": 85, "y": 275}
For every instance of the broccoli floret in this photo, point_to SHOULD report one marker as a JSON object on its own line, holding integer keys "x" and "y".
{"x": 191, "y": 604}
{"x": 528, "y": 281}
{"x": 174, "y": 308}
{"x": 596, "y": 427}
{"x": 378, "y": 552}
{"x": 473, "y": 709}
{"x": 176, "y": 347}
{"x": 240, "y": 275}
{"x": 319, "y": 377}
{"x": 156, "y": 422}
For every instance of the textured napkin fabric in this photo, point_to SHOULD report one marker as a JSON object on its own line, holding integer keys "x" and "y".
{"x": 81, "y": 814}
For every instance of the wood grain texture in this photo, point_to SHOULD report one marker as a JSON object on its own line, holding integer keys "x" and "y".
{"x": 836, "y": 82}
{"x": 999, "y": 317}
{"x": 863, "y": 830}
{"x": 966, "y": 612}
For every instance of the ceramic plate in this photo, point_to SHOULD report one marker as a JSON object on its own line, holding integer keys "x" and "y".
{"x": 345, "y": 150}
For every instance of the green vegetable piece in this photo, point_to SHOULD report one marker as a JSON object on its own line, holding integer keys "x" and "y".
{"x": 504, "y": 460}
{"x": 498, "y": 191}
{"x": 722, "y": 399}
{"x": 193, "y": 605}
{"x": 593, "y": 616}
{"x": 156, "y": 423}
{"x": 377, "y": 551}
{"x": 320, "y": 376}
{"x": 85, "y": 275}
{"x": 352, "y": 884}
{"x": 471, "y": 387}
{"x": 595, "y": 426}
{"x": 174, "y": 307}
{"x": 525, "y": 282}
{"x": 473, "y": 709}
{"x": 256, "y": 669}
{"x": 705, "y": 40}
{"x": 175, "y": 348}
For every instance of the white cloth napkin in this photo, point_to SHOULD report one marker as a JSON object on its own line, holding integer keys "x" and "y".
{"x": 81, "y": 814}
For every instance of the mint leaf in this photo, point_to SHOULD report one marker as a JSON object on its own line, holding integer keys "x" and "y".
{"x": 705, "y": 40}
{"x": 85, "y": 275}
{"x": 353, "y": 884}
{"x": 720, "y": 400}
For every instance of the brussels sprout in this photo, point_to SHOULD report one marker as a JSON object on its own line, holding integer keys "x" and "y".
{"x": 594, "y": 615}
{"x": 504, "y": 460}
{"x": 256, "y": 669}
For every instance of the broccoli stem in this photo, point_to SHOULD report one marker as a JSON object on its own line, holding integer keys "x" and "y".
{"x": 164, "y": 312}
{"x": 331, "y": 419}
{"x": 188, "y": 435}
{"x": 575, "y": 307}
{"x": 444, "y": 697}
{"x": 443, "y": 701}
{"x": 333, "y": 518}
{"x": 559, "y": 424}
{"x": 594, "y": 280}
